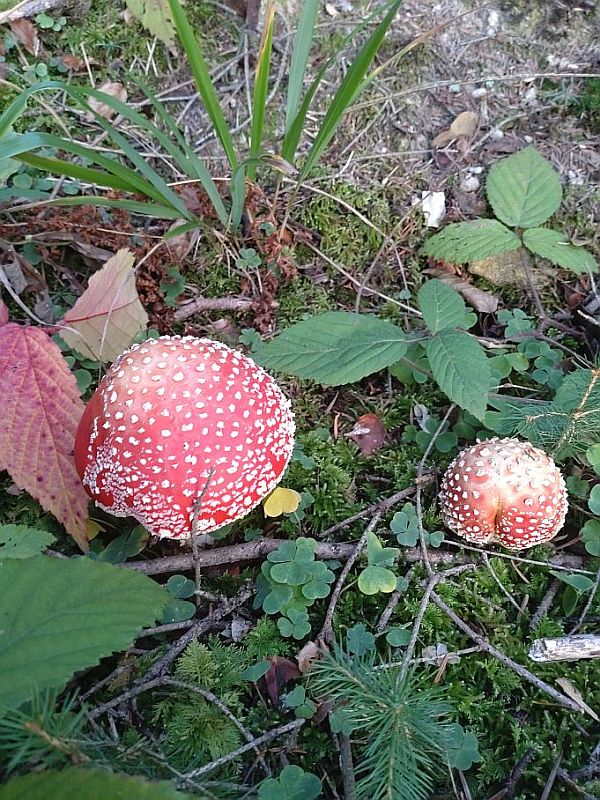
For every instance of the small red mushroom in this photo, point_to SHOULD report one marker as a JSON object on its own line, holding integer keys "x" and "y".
{"x": 506, "y": 491}
{"x": 182, "y": 427}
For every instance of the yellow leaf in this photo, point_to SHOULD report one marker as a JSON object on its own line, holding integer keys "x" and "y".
{"x": 281, "y": 501}
{"x": 108, "y": 315}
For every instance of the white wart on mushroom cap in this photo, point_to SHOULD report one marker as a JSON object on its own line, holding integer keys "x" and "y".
{"x": 179, "y": 422}
{"x": 505, "y": 491}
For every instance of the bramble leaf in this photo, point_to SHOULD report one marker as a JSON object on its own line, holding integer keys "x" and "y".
{"x": 524, "y": 189}
{"x": 155, "y": 16}
{"x": 441, "y": 306}
{"x": 19, "y": 541}
{"x": 75, "y": 783}
{"x": 461, "y": 369}
{"x": 471, "y": 241}
{"x": 41, "y": 411}
{"x": 555, "y": 247}
{"x": 83, "y": 610}
{"x": 333, "y": 348}
{"x": 108, "y": 315}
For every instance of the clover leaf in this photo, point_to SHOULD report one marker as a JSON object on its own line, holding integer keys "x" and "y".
{"x": 359, "y": 640}
{"x": 303, "y": 706}
{"x": 295, "y": 624}
{"x": 376, "y": 577}
{"x": 590, "y": 536}
{"x": 293, "y": 783}
{"x": 464, "y": 748}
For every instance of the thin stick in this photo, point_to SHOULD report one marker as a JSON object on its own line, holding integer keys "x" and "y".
{"x": 326, "y": 634}
{"x": 524, "y": 673}
{"x": 545, "y": 604}
{"x": 266, "y": 737}
{"x": 588, "y": 604}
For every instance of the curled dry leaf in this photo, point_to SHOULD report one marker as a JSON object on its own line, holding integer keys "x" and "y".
{"x": 26, "y": 33}
{"x": 464, "y": 125}
{"x": 181, "y": 244}
{"x": 368, "y": 433}
{"x": 108, "y": 315}
{"x": 573, "y": 692}
{"x": 281, "y": 671}
{"x": 479, "y": 299}
{"x": 306, "y": 656}
{"x": 114, "y": 90}
{"x": 41, "y": 411}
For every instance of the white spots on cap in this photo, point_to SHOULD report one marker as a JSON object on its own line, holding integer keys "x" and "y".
{"x": 507, "y": 512}
{"x": 212, "y": 390}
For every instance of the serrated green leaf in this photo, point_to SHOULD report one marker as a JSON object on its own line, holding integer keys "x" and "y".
{"x": 62, "y": 615}
{"x": 524, "y": 189}
{"x": 461, "y": 369}
{"x": 20, "y": 541}
{"x": 334, "y": 348}
{"x": 74, "y": 783}
{"x": 555, "y": 247}
{"x": 471, "y": 241}
{"x": 441, "y": 306}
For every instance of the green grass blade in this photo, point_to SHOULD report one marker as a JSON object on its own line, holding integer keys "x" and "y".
{"x": 294, "y": 131}
{"x": 79, "y": 173}
{"x": 202, "y": 79}
{"x": 238, "y": 196}
{"x": 261, "y": 85}
{"x": 135, "y": 206}
{"x": 302, "y": 43}
{"x": 348, "y": 90}
{"x": 22, "y": 144}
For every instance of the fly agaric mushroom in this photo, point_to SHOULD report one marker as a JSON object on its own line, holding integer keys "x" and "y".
{"x": 182, "y": 429}
{"x": 506, "y": 491}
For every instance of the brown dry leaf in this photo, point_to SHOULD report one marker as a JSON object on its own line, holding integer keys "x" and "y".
{"x": 3, "y": 313}
{"x": 280, "y": 672}
{"x": 181, "y": 244}
{"x": 72, "y": 62}
{"x": 306, "y": 656}
{"x": 25, "y": 31}
{"x": 108, "y": 315}
{"x": 368, "y": 433}
{"x": 40, "y": 413}
{"x": 480, "y": 300}
{"x": 464, "y": 125}
{"x": 113, "y": 89}
{"x": 573, "y": 692}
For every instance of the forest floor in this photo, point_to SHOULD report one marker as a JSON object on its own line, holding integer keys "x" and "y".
{"x": 528, "y": 73}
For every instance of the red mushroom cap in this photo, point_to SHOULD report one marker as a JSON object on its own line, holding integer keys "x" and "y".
{"x": 506, "y": 491}
{"x": 178, "y": 422}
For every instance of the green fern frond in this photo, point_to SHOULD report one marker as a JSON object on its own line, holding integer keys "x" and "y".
{"x": 265, "y": 641}
{"x": 405, "y": 726}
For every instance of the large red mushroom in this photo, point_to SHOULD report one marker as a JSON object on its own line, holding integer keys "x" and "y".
{"x": 183, "y": 429}
{"x": 505, "y": 491}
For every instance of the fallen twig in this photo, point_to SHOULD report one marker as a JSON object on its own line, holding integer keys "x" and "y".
{"x": 545, "y": 604}
{"x": 200, "y": 304}
{"x": 522, "y": 671}
{"x": 260, "y": 740}
{"x": 508, "y": 790}
{"x": 565, "y": 648}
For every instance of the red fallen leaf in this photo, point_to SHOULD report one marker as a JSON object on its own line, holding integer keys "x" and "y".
{"x": 41, "y": 410}
{"x": 72, "y": 62}
{"x": 26, "y": 32}
{"x": 280, "y": 672}
{"x": 368, "y": 433}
